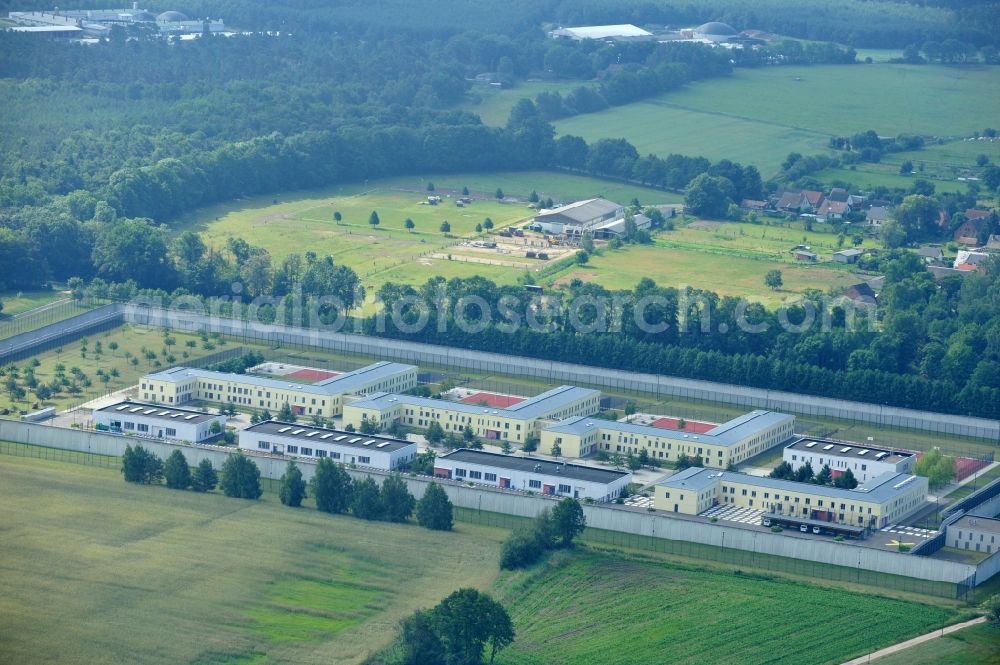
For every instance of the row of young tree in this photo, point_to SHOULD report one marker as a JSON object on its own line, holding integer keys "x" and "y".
{"x": 805, "y": 474}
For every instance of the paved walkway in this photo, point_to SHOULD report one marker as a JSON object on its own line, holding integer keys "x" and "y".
{"x": 896, "y": 648}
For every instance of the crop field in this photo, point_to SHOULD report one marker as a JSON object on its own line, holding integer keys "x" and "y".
{"x": 677, "y": 614}
{"x": 759, "y": 116}
{"x": 95, "y": 570}
{"x": 131, "y": 342}
{"x": 304, "y": 221}
{"x": 978, "y": 645}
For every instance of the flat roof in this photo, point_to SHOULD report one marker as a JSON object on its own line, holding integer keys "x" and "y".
{"x": 309, "y": 433}
{"x": 45, "y": 28}
{"x": 987, "y": 524}
{"x": 726, "y": 434}
{"x": 849, "y": 450}
{"x": 535, "y": 465}
{"x": 879, "y": 489}
{"x": 535, "y": 407}
{"x": 158, "y": 412}
{"x": 347, "y": 382}
{"x": 604, "y": 31}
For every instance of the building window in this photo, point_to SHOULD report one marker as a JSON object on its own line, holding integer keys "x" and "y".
{"x": 492, "y": 477}
{"x": 171, "y": 431}
{"x": 534, "y": 484}
{"x": 460, "y": 473}
{"x": 565, "y": 489}
{"x": 293, "y": 449}
{"x": 263, "y": 445}
{"x": 477, "y": 475}
{"x": 142, "y": 427}
{"x": 364, "y": 460}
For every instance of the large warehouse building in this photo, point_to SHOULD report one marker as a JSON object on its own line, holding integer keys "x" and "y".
{"x": 514, "y": 423}
{"x": 575, "y": 219}
{"x": 729, "y": 443}
{"x": 620, "y": 32}
{"x": 156, "y": 421}
{"x": 532, "y": 474}
{"x": 864, "y": 462}
{"x": 291, "y": 440}
{"x": 325, "y": 398}
{"x": 884, "y": 500}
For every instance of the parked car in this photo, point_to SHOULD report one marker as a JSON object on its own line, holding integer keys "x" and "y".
{"x": 816, "y": 530}
{"x": 803, "y": 528}
{"x": 766, "y": 523}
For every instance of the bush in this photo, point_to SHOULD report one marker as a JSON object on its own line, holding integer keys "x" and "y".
{"x": 776, "y": 529}
{"x": 521, "y": 549}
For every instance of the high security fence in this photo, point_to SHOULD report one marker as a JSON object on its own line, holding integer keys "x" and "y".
{"x": 559, "y": 372}
{"x": 615, "y": 525}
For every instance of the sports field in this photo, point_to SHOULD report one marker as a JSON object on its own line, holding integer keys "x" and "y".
{"x": 649, "y": 612}
{"x": 759, "y": 116}
{"x": 95, "y": 570}
{"x": 303, "y": 221}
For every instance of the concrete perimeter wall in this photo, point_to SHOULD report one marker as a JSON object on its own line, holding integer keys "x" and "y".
{"x": 558, "y": 372}
{"x": 606, "y": 517}
{"x": 47, "y": 337}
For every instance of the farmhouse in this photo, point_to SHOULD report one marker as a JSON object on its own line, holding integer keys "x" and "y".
{"x": 155, "y": 421}
{"x": 847, "y": 255}
{"x": 623, "y": 32}
{"x": 931, "y": 254}
{"x": 865, "y": 462}
{"x": 877, "y": 215}
{"x": 970, "y": 261}
{"x": 514, "y": 423}
{"x": 729, "y": 443}
{"x": 753, "y": 205}
{"x": 325, "y": 398}
{"x": 580, "y": 217}
{"x": 532, "y": 474}
{"x": 968, "y": 233}
{"x": 861, "y": 293}
{"x": 881, "y": 501}
{"x": 831, "y": 210}
{"x": 979, "y": 534}
{"x": 374, "y": 451}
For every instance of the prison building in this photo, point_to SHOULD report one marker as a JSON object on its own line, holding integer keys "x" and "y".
{"x": 156, "y": 421}
{"x": 865, "y": 462}
{"x": 350, "y": 448}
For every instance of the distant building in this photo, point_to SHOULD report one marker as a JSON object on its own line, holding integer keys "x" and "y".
{"x": 715, "y": 31}
{"x": 752, "y": 205}
{"x": 623, "y": 32}
{"x": 158, "y": 422}
{"x": 931, "y": 254}
{"x": 847, "y": 255}
{"x": 589, "y": 216}
{"x": 532, "y": 474}
{"x": 976, "y": 534}
{"x": 98, "y": 22}
{"x": 877, "y": 215}
{"x": 861, "y": 293}
{"x": 291, "y": 440}
{"x": 803, "y": 255}
{"x": 968, "y": 233}
{"x": 971, "y": 260}
{"x": 864, "y": 462}
{"x": 831, "y": 210}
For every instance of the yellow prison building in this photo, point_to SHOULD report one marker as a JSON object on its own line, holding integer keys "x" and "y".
{"x": 884, "y": 500}
{"x": 514, "y": 423}
{"x": 325, "y": 398}
{"x": 731, "y": 442}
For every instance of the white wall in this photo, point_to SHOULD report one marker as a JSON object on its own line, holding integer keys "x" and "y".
{"x": 521, "y": 480}
{"x": 157, "y": 427}
{"x": 863, "y": 470}
{"x": 278, "y": 444}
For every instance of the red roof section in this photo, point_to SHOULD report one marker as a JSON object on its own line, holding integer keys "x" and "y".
{"x": 494, "y": 400}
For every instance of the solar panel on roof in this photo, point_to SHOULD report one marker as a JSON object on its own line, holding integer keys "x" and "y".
{"x": 283, "y": 430}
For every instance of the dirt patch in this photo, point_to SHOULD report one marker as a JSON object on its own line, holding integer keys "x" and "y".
{"x": 582, "y": 276}
{"x": 705, "y": 225}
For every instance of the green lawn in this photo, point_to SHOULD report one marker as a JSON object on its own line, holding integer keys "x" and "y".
{"x": 758, "y": 116}
{"x": 95, "y": 570}
{"x": 493, "y": 105}
{"x": 642, "y": 611}
{"x": 725, "y": 274}
{"x": 978, "y": 645}
{"x": 17, "y": 302}
{"x": 303, "y": 221}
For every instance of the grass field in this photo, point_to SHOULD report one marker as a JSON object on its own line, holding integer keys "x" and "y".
{"x": 978, "y": 645}
{"x": 493, "y": 105}
{"x": 759, "y": 116}
{"x": 304, "y": 220}
{"x": 655, "y": 613}
{"x": 117, "y": 573}
{"x": 18, "y": 302}
{"x": 98, "y": 571}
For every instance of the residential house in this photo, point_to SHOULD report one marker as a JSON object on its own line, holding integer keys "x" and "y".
{"x": 838, "y": 194}
{"x": 830, "y": 210}
{"x": 993, "y": 244}
{"x": 861, "y": 293}
{"x": 968, "y": 233}
{"x": 790, "y": 201}
{"x": 751, "y": 205}
{"x": 931, "y": 254}
{"x": 969, "y": 261}
{"x": 812, "y": 200}
{"x": 877, "y": 215}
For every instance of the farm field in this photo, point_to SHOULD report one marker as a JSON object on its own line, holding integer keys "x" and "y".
{"x": 978, "y": 645}
{"x": 116, "y": 573}
{"x": 799, "y": 112}
{"x": 493, "y": 105}
{"x": 304, "y": 221}
{"x": 678, "y": 614}
{"x": 731, "y": 276}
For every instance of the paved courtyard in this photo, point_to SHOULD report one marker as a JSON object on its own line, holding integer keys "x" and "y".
{"x": 731, "y": 513}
